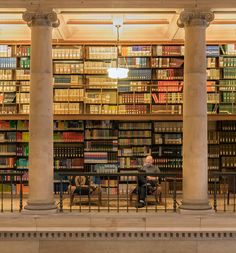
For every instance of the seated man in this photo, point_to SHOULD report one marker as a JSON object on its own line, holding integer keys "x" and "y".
{"x": 147, "y": 184}
{"x": 82, "y": 185}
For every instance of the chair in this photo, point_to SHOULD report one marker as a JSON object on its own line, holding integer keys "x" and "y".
{"x": 81, "y": 190}
{"x": 156, "y": 193}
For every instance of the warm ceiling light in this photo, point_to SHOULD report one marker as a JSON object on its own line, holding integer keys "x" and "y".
{"x": 118, "y": 73}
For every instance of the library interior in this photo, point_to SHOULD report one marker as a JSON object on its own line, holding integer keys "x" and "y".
{"x": 117, "y": 126}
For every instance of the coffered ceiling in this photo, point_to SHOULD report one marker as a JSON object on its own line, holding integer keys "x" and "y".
{"x": 97, "y": 24}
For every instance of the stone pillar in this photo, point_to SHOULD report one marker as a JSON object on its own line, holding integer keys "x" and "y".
{"x": 195, "y": 150}
{"x": 41, "y": 111}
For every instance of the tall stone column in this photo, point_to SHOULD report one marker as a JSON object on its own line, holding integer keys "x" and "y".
{"x": 41, "y": 111}
{"x": 195, "y": 152}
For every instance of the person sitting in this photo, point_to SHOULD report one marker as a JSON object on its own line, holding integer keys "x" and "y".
{"x": 82, "y": 185}
{"x": 147, "y": 184}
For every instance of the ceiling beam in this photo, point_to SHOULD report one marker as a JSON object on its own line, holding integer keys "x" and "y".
{"x": 110, "y": 22}
{"x": 117, "y": 4}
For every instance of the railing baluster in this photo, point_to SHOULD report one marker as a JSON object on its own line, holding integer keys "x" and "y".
{"x": 174, "y": 195}
{"x": 21, "y": 191}
{"x": 11, "y": 186}
{"x": 234, "y": 192}
{"x": 2, "y": 177}
{"x": 215, "y": 195}
{"x": 61, "y": 195}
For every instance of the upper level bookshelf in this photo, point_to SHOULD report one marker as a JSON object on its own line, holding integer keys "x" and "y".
{"x": 154, "y": 85}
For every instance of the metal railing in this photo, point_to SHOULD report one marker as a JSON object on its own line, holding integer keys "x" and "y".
{"x": 116, "y": 192}
{"x": 11, "y": 192}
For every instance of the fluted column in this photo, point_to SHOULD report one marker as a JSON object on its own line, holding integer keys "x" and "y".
{"x": 195, "y": 154}
{"x": 41, "y": 111}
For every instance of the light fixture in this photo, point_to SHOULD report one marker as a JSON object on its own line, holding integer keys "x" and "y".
{"x": 117, "y": 72}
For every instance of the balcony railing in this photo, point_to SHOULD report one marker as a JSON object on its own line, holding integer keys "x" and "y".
{"x": 117, "y": 192}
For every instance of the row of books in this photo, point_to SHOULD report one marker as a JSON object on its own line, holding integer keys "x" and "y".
{"x": 135, "y": 134}
{"x": 74, "y": 80}
{"x": 213, "y": 151}
{"x": 134, "y": 151}
{"x": 68, "y": 94}
{"x": 227, "y": 85}
{"x": 7, "y": 86}
{"x": 101, "y": 109}
{"x": 166, "y": 109}
{"x": 67, "y": 108}
{"x": 168, "y": 138}
{"x": 8, "y": 63}
{"x": 7, "y": 109}
{"x": 22, "y": 98}
{"x": 5, "y": 51}
{"x": 68, "y": 151}
{"x": 166, "y": 163}
{"x": 172, "y": 151}
{"x": 213, "y": 164}
{"x": 101, "y": 134}
{"x": 228, "y": 162}
{"x": 6, "y": 149}
{"x": 67, "y": 53}
{"x": 167, "y": 62}
{"x": 68, "y": 68}
{"x": 23, "y": 51}
{"x": 136, "y": 62}
{"x": 25, "y": 63}
{"x": 229, "y": 73}
{"x": 7, "y": 162}
{"x": 213, "y": 74}
{"x": 229, "y": 137}
{"x": 71, "y": 163}
{"x": 68, "y": 125}
{"x": 168, "y": 126}
{"x": 6, "y": 74}
{"x": 226, "y": 149}
{"x": 228, "y": 97}
{"x": 101, "y": 145}
{"x": 22, "y": 150}
{"x": 228, "y": 126}
{"x": 104, "y": 52}
{"x": 103, "y": 97}
{"x": 133, "y": 109}
{"x": 68, "y": 137}
{"x": 100, "y": 157}
{"x": 138, "y": 98}
{"x": 213, "y": 98}
{"x": 136, "y": 50}
{"x": 134, "y": 142}
{"x": 22, "y": 74}
{"x": 169, "y": 74}
{"x": 211, "y": 62}
{"x": 130, "y": 162}
{"x": 169, "y": 98}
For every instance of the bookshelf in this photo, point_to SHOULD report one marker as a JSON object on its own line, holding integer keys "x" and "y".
{"x": 81, "y": 85}
{"x": 109, "y": 125}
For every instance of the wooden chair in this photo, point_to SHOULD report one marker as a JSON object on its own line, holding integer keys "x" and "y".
{"x": 157, "y": 194}
{"x": 81, "y": 191}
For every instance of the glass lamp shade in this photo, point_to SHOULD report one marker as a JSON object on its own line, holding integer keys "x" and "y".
{"x": 118, "y": 73}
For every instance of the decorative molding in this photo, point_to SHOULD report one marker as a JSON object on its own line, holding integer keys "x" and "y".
{"x": 109, "y": 235}
{"x": 195, "y": 17}
{"x": 41, "y": 18}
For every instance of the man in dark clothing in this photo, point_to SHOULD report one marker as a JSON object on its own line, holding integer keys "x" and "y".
{"x": 147, "y": 184}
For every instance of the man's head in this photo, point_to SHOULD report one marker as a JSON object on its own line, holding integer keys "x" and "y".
{"x": 149, "y": 160}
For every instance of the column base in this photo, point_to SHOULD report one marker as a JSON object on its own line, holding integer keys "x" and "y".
{"x": 40, "y": 208}
{"x": 196, "y": 208}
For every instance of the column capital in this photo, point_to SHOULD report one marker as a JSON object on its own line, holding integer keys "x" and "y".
{"x": 41, "y": 18}
{"x": 195, "y": 17}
